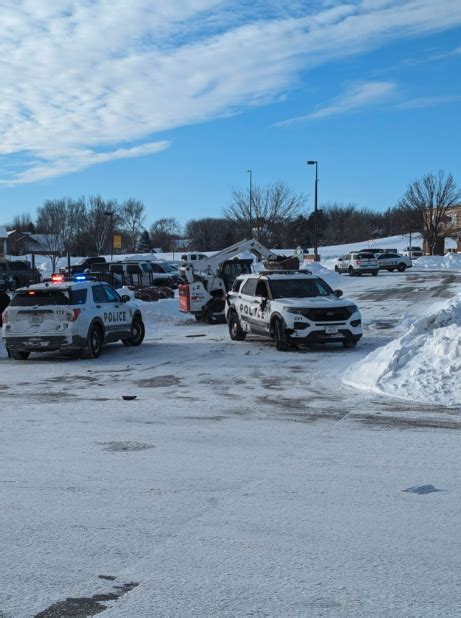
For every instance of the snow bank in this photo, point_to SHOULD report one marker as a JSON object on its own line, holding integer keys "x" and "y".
{"x": 165, "y": 312}
{"x": 330, "y": 276}
{"x": 450, "y": 261}
{"x": 422, "y": 365}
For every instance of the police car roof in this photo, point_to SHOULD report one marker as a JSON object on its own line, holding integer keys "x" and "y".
{"x": 59, "y": 285}
{"x": 294, "y": 274}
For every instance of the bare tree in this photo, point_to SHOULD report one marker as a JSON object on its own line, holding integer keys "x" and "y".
{"x": 22, "y": 223}
{"x": 426, "y": 207}
{"x": 132, "y": 218}
{"x": 272, "y": 208}
{"x": 102, "y": 219}
{"x": 51, "y": 222}
{"x": 163, "y": 232}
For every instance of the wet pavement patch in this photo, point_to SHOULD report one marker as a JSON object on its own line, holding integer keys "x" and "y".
{"x": 159, "y": 381}
{"x": 80, "y": 607}
{"x": 124, "y": 447}
{"x": 421, "y": 489}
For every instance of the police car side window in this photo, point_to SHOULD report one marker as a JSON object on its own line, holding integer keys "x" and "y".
{"x": 261, "y": 289}
{"x": 78, "y": 297}
{"x": 98, "y": 294}
{"x": 250, "y": 287}
{"x": 112, "y": 296}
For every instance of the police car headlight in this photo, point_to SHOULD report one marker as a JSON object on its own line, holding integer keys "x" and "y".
{"x": 294, "y": 310}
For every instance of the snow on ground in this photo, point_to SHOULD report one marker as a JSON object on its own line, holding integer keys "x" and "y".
{"x": 450, "y": 261}
{"x": 424, "y": 364}
{"x": 240, "y": 481}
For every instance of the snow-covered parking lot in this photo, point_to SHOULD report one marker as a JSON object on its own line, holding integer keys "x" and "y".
{"x": 241, "y": 480}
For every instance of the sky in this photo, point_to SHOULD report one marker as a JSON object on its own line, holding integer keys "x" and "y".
{"x": 172, "y": 102}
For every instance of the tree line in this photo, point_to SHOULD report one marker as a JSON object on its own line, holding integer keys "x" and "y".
{"x": 277, "y": 216}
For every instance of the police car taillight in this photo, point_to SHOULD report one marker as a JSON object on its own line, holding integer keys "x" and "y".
{"x": 56, "y": 278}
{"x": 74, "y": 314}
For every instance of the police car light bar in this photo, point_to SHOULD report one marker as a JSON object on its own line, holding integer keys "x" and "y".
{"x": 56, "y": 278}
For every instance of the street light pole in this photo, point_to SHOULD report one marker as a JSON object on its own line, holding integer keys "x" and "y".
{"x": 316, "y": 244}
{"x": 110, "y": 214}
{"x": 251, "y": 201}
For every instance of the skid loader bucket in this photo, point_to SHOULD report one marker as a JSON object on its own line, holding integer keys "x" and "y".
{"x": 284, "y": 263}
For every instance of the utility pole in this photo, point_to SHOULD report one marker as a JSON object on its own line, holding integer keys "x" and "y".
{"x": 251, "y": 202}
{"x": 316, "y": 244}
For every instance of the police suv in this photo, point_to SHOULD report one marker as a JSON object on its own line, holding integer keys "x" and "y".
{"x": 293, "y": 308}
{"x": 66, "y": 315}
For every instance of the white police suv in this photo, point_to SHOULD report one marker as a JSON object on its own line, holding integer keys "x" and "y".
{"x": 292, "y": 308}
{"x": 66, "y": 315}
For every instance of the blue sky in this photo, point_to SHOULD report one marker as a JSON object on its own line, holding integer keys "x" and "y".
{"x": 172, "y": 102}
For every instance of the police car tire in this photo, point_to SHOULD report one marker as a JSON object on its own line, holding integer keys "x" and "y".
{"x": 375, "y": 273}
{"x": 401, "y": 268}
{"x": 236, "y": 331}
{"x": 280, "y": 336}
{"x": 138, "y": 327}
{"x": 94, "y": 342}
{"x": 17, "y": 355}
{"x": 349, "y": 343}
{"x": 351, "y": 271}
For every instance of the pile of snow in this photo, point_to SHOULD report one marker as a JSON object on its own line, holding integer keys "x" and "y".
{"x": 165, "y": 311}
{"x": 422, "y": 365}
{"x": 450, "y": 261}
{"x": 333, "y": 279}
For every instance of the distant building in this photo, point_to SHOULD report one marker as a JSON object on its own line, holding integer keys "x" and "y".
{"x": 3, "y": 241}
{"x": 21, "y": 243}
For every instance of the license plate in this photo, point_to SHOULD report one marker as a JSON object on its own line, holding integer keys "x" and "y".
{"x": 36, "y": 343}
{"x": 36, "y": 319}
{"x": 331, "y": 330}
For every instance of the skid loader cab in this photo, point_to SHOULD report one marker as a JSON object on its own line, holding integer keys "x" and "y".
{"x": 231, "y": 269}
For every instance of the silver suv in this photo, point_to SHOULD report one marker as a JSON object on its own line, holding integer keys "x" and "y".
{"x": 357, "y": 263}
{"x": 70, "y": 315}
{"x": 292, "y": 308}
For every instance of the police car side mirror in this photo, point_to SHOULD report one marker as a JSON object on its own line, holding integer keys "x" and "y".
{"x": 125, "y": 298}
{"x": 338, "y": 293}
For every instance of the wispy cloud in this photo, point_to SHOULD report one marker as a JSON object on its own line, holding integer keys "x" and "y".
{"x": 422, "y": 102}
{"x": 356, "y": 97}
{"x": 82, "y": 76}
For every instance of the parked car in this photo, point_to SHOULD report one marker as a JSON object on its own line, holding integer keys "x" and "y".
{"x": 69, "y": 316}
{"x": 357, "y": 263}
{"x": 192, "y": 257}
{"x": 17, "y": 273}
{"x": 413, "y": 252}
{"x": 143, "y": 273}
{"x": 83, "y": 265}
{"x": 22, "y": 273}
{"x": 292, "y": 308}
{"x": 393, "y": 261}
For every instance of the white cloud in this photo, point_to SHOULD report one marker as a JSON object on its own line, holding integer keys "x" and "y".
{"x": 428, "y": 101}
{"x": 79, "y": 76}
{"x": 354, "y": 98}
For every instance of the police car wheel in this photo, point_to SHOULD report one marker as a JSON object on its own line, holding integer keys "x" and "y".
{"x": 351, "y": 271}
{"x": 138, "y": 332}
{"x": 17, "y": 355}
{"x": 349, "y": 343}
{"x": 280, "y": 337}
{"x": 235, "y": 329}
{"x": 95, "y": 341}
{"x": 401, "y": 268}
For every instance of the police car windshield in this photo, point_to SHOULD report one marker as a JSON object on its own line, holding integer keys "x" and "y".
{"x": 32, "y": 298}
{"x": 299, "y": 288}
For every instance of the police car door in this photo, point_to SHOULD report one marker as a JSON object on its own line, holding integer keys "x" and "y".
{"x": 261, "y": 307}
{"x": 245, "y": 301}
{"x": 115, "y": 314}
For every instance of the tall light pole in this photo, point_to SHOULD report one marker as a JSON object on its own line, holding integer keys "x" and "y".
{"x": 316, "y": 244}
{"x": 251, "y": 201}
{"x": 110, "y": 214}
